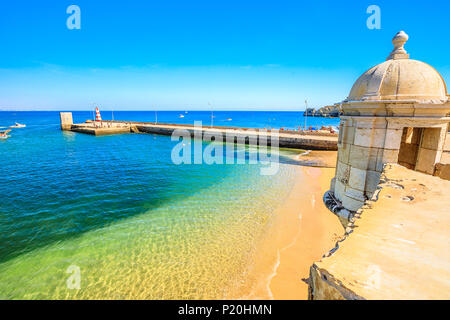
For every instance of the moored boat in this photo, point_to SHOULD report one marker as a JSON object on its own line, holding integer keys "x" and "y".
{"x": 18, "y": 125}
{"x": 4, "y": 134}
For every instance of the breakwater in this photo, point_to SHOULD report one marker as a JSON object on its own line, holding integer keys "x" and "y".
{"x": 311, "y": 140}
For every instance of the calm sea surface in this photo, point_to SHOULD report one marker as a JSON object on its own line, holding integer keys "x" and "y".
{"x": 118, "y": 210}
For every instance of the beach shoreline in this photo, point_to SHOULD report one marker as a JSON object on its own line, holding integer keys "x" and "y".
{"x": 286, "y": 252}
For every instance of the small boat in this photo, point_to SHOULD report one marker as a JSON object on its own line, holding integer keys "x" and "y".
{"x": 181, "y": 116}
{"x": 4, "y": 135}
{"x": 229, "y": 119}
{"x": 18, "y": 125}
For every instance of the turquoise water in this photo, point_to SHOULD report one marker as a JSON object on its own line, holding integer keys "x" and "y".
{"x": 136, "y": 225}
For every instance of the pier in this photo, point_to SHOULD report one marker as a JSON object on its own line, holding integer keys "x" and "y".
{"x": 286, "y": 139}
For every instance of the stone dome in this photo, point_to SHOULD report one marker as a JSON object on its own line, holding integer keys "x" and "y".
{"x": 400, "y": 78}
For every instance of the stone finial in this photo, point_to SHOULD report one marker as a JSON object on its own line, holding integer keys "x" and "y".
{"x": 399, "y": 51}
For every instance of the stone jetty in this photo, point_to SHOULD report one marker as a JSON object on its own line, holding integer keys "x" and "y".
{"x": 310, "y": 140}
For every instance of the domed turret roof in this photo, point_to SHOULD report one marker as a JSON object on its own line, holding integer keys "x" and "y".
{"x": 400, "y": 78}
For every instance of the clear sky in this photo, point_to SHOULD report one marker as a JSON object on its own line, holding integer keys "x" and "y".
{"x": 263, "y": 55}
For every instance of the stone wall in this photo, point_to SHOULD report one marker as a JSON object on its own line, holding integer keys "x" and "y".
{"x": 442, "y": 171}
{"x": 445, "y": 158}
{"x": 296, "y": 141}
{"x": 364, "y": 146}
{"x": 394, "y": 247}
{"x": 430, "y": 150}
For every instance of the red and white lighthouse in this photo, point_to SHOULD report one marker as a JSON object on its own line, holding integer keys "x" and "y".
{"x": 98, "y": 117}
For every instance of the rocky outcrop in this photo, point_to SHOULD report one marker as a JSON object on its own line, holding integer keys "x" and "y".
{"x": 327, "y": 111}
{"x": 310, "y": 112}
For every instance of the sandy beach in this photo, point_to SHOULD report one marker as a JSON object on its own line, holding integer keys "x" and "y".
{"x": 302, "y": 231}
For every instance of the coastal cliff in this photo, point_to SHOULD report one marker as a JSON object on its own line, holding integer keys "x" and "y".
{"x": 333, "y": 111}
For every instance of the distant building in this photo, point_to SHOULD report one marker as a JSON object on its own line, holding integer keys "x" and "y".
{"x": 397, "y": 112}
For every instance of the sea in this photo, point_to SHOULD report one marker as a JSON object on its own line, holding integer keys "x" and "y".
{"x": 112, "y": 217}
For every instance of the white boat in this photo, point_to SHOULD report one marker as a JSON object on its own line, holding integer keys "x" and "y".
{"x": 181, "y": 116}
{"x": 18, "y": 125}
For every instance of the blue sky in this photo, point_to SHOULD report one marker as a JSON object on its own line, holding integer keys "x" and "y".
{"x": 244, "y": 55}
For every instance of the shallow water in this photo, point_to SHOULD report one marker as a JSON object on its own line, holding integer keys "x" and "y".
{"x": 117, "y": 208}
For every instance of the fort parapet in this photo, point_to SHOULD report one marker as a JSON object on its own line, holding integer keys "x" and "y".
{"x": 390, "y": 189}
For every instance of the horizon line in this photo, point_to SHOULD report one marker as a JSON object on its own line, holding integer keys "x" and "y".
{"x": 160, "y": 110}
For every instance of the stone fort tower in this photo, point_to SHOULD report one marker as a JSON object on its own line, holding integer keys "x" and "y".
{"x": 397, "y": 112}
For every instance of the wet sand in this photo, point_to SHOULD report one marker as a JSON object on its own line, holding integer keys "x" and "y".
{"x": 322, "y": 159}
{"x": 302, "y": 231}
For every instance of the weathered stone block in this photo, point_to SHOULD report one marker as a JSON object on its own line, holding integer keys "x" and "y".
{"x": 369, "y": 123}
{"x": 354, "y": 194}
{"x": 393, "y": 139}
{"x": 447, "y": 143}
{"x": 351, "y": 204}
{"x": 433, "y": 138}
{"x": 386, "y": 156}
{"x": 357, "y": 179}
{"x": 348, "y": 122}
{"x": 349, "y": 135}
{"x": 363, "y": 157}
{"x": 342, "y": 172}
{"x": 445, "y": 158}
{"x": 339, "y": 190}
{"x": 389, "y": 156}
{"x": 442, "y": 171}
{"x": 370, "y": 137}
{"x": 344, "y": 153}
{"x": 403, "y": 111}
{"x": 372, "y": 180}
{"x": 427, "y": 159}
